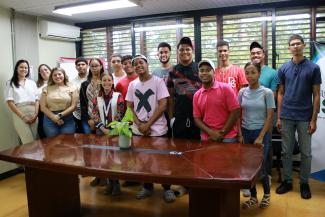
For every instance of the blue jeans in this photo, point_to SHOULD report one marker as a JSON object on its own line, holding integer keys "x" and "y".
{"x": 230, "y": 140}
{"x": 288, "y": 129}
{"x": 52, "y": 129}
{"x": 249, "y": 138}
{"x": 85, "y": 127}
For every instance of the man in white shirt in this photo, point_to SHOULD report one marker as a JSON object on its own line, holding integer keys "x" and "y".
{"x": 82, "y": 68}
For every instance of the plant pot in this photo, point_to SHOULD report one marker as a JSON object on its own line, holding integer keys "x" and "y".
{"x": 124, "y": 142}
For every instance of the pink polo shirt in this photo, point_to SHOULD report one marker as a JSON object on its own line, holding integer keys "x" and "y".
{"x": 214, "y": 105}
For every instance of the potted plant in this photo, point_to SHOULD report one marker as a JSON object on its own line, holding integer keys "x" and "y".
{"x": 122, "y": 129}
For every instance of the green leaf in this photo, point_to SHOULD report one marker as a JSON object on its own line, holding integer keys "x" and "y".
{"x": 128, "y": 117}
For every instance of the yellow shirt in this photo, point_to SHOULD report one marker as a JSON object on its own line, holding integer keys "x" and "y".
{"x": 58, "y": 98}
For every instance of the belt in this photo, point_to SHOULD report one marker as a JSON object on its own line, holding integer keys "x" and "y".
{"x": 24, "y": 103}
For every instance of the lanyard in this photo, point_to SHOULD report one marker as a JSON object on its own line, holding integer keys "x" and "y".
{"x": 106, "y": 110}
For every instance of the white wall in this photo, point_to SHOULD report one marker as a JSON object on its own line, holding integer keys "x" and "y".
{"x": 7, "y": 133}
{"x": 51, "y": 50}
{"x": 29, "y": 46}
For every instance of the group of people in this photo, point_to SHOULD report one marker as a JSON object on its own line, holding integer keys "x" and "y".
{"x": 189, "y": 100}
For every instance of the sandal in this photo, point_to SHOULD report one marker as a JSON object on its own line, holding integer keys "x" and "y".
{"x": 265, "y": 202}
{"x": 249, "y": 203}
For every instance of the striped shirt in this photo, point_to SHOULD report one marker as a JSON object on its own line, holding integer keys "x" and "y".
{"x": 234, "y": 75}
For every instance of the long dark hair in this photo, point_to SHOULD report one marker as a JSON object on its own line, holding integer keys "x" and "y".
{"x": 14, "y": 79}
{"x": 40, "y": 80}
{"x": 90, "y": 74}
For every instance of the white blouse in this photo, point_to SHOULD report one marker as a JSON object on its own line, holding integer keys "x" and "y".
{"x": 24, "y": 93}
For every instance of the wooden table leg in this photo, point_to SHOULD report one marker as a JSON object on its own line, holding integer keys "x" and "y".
{"x": 214, "y": 202}
{"x": 52, "y": 194}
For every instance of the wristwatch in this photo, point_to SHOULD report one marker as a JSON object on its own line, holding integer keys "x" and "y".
{"x": 60, "y": 115}
{"x": 222, "y": 132}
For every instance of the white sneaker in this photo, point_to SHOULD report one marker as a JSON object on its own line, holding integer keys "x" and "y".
{"x": 246, "y": 192}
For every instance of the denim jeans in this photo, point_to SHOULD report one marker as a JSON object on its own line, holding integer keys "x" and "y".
{"x": 53, "y": 129}
{"x": 249, "y": 138}
{"x": 85, "y": 127}
{"x": 288, "y": 130}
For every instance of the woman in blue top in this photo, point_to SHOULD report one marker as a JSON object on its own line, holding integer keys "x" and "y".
{"x": 257, "y": 104}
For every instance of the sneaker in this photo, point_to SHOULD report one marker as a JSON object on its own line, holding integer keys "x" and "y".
{"x": 169, "y": 196}
{"x": 246, "y": 192}
{"x": 265, "y": 202}
{"x": 284, "y": 187}
{"x": 249, "y": 203}
{"x": 180, "y": 190}
{"x": 143, "y": 193}
{"x": 305, "y": 191}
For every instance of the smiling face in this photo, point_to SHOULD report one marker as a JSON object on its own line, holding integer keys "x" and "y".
{"x": 140, "y": 67}
{"x": 107, "y": 82}
{"x": 127, "y": 66}
{"x": 22, "y": 70}
{"x": 44, "y": 72}
{"x": 252, "y": 75}
{"x": 257, "y": 56}
{"x": 58, "y": 77}
{"x": 206, "y": 74}
{"x": 164, "y": 54}
{"x": 185, "y": 54}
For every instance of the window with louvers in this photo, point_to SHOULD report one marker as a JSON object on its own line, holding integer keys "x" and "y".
{"x": 120, "y": 41}
{"x": 290, "y": 22}
{"x": 320, "y": 26}
{"x": 94, "y": 43}
{"x": 209, "y": 38}
{"x": 149, "y": 34}
{"x": 240, "y": 30}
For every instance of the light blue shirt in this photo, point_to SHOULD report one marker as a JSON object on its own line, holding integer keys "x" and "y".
{"x": 254, "y": 105}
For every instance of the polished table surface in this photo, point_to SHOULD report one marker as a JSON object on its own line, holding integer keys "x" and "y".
{"x": 198, "y": 165}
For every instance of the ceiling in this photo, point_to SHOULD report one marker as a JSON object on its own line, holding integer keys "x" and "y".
{"x": 43, "y": 8}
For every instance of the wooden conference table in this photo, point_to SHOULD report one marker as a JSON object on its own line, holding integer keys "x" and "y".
{"x": 214, "y": 172}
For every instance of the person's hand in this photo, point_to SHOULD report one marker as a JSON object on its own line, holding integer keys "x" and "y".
{"x": 312, "y": 127}
{"x": 240, "y": 139}
{"x": 216, "y": 135}
{"x": 26, "y": 119}
{"x": 278, "y": 124}
{"x": 60, "y": 122}
{"x": 91, "y": 124}
{"x": 258, "y": 141}
{"x": 144, "y": 128}
{"x": 105, "y": 130}
{"x": 33, "y": 118}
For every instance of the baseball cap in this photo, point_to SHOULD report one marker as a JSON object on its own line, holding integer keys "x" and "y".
{"x": 139, "y": 56}
{"x": 208, "y": 62}
{"x": 185, "y": 40}
{"x": 255, "y": 44}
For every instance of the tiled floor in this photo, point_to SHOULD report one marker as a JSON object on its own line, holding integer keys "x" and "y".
{"x": 95, "y": 203}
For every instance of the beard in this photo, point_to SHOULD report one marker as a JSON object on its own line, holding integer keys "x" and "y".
{"x": 164, "y": 61}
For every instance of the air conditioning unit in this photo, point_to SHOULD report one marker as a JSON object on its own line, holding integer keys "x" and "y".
{"x": 58, "y": 31}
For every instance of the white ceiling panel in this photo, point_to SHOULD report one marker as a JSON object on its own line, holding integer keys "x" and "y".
{"x": 43, "y": 8}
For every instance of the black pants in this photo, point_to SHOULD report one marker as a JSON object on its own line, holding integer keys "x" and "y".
{"x": 40, "y": 130}
{"x": 185, "y": 128}
{"x": 78, "y": 125}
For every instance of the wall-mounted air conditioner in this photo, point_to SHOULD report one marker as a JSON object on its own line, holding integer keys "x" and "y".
{"x": 58, "y": 31}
